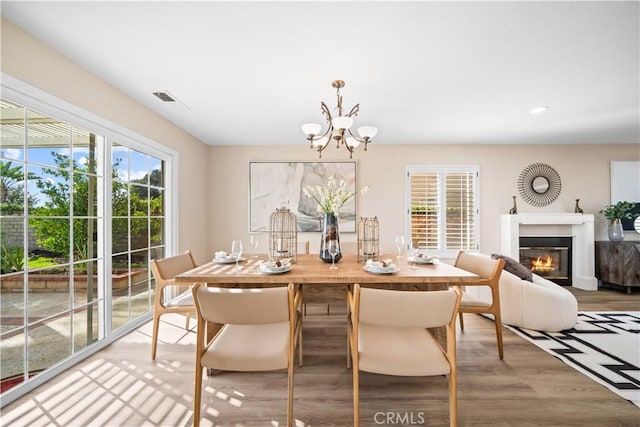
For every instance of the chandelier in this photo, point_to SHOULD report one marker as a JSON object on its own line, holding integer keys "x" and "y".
{"x": 339, "y": 128}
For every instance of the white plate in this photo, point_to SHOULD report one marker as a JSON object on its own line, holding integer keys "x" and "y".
{"x": 227, "y": 260}
{"x": 423, "y": 260}
{"x": 274, "y": 270}
{"x": 378, "y": 266}
{"x": 382, "y": 270}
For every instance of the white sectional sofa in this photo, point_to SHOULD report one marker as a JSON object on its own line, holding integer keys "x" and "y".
{"x": 540, "y": 305}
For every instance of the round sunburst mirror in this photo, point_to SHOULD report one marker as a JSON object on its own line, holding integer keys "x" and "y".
{"x": 539, "y": 184}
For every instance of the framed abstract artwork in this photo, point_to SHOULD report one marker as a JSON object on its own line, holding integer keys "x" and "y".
{"x": 274, "y": 185}
{"x": 625, "y": 186}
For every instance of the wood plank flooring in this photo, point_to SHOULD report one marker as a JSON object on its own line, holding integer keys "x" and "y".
{"x": 121, "y": 386}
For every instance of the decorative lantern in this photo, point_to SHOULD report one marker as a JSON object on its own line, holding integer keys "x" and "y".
{"x": 368, "y": 239}
{"x": 283, "y": 235}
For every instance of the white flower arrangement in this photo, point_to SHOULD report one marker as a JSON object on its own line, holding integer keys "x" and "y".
{"x": 331, "y": 199}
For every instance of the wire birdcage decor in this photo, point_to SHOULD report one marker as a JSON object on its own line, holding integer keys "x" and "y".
{"x": 283, "y": 235}
{"x": 368, "y": 239}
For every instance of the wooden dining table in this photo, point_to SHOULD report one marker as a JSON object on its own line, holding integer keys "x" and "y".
{"x": 315, "y": 277}
{"x": 311, "y": 272}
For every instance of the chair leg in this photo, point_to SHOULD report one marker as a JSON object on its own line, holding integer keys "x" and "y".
{"x": 290, "y": 395}
{"x": 356, "y": 397}
{"x": 187, "y": 316}
{"x": 300, "y": 353}
{"x": 348, "y": 337}
{"x": 154, "y": 339}
{"x": 197, "y": 397}
{"x": 498, "y": 322}
{"x": 348, "y": 348}
{"x": 461, "y": 321}
{"x": 453, "y": 400}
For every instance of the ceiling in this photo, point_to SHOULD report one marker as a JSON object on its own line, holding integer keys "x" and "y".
{"x": 250, "y": 73}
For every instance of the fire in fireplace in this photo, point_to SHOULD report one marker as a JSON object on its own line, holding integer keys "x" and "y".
{"x": 549, "y": 257}
{"x": 539, "y": 265}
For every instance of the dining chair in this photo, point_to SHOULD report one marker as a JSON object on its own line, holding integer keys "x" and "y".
{"x": 260, "y": 329}
{"x": 303, "y": 248}
{"x": 388, "y": 335}
{"x": 317, "y": 297}
{"x": 489, "y": 271}
{"x": 164, "y": 270}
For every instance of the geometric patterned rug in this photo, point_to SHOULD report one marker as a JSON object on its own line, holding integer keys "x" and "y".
{"x": 605, "y": 346}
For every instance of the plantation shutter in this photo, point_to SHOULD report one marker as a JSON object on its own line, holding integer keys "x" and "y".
{"x": 443, "y": 208}
{"x": 425, "y": 215}
{"x": 460, "y": 227}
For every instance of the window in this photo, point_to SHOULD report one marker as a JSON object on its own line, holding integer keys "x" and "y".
{"x": 74, "y": 261}
{"x": 443, "y": 208}
{"x": 137, "y": 216}
{"x": 49, "y": 215}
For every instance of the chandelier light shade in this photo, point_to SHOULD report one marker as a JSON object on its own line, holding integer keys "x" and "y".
{"x": 351, "y": 142}
{"x": 367, "y": 131}
{"x": 311, "y": 128}
{"x": 342, "y": 123}
{"x": 339, "y": 128}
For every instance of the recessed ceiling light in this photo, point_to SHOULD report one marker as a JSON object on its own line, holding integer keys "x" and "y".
{"x": 539, "y": 110}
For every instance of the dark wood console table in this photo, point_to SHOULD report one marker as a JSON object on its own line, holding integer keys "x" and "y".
{"x": 618, "y": 263}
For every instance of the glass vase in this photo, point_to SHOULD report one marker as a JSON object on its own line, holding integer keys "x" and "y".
{"x": 616, "y": 233}
{"x": 329, "y": 232}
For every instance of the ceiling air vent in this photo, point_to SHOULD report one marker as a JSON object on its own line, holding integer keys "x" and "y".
{"x": 164, "y": 96}
{"x": 170, "y": 99}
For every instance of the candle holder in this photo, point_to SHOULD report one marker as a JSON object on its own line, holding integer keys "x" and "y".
{"x": 368, "y": 239}
{"x": 283, "y": 235}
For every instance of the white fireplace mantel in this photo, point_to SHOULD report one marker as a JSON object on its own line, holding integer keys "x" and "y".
{"x": 582, "y": 231}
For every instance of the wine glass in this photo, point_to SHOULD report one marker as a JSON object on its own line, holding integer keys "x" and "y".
{"x": 399, "y": 245}
{"x": 236, "y": 251}
{"x": 414, "y": 250}
{"x": 254, "y": 242}
{"x": 334, "y": 246}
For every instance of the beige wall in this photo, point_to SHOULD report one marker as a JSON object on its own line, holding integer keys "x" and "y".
{"x": 583, "y": 169}
{"x": 214, "y": 180}
{"x": 26, "y": 59}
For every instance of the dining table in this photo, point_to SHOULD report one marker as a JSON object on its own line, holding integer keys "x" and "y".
{"x": 314, "y": 275}
{"x": 310, "y": 271}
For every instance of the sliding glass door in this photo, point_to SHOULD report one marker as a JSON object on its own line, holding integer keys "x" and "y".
{"x": 137, "y": 230}
{"x": 81, "y": 215}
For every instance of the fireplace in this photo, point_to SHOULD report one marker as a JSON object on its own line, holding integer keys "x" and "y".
{"x": 549, "y": 257}
{"x": 579, "y": 226}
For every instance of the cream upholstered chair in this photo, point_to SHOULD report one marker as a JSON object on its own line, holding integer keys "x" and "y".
{"x": 260, "y": 329}
{"x": 489, "y": 271}
{"x": 303, "y": 248}
{"x": 164, "y": 270}
{"x": 388, "y": 335}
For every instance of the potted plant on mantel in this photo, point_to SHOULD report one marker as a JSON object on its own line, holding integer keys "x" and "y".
{"x": 615, "y": 213}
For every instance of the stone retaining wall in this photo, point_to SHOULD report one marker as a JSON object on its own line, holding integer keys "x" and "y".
{"x": 13, "y": 232}
{"x": 60, "y": 282}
